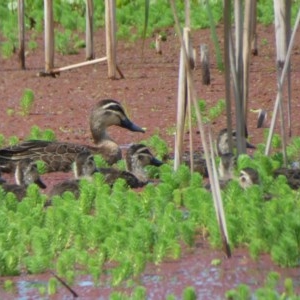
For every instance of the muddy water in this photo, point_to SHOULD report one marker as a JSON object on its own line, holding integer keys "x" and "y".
{"x": 195, "y": 269}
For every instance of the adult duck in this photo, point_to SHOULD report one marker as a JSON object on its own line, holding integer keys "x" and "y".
{"x": 59, "y": 156}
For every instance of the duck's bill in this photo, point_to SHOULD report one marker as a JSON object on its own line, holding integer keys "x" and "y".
{"x": 156, "y": 162}
{"x": 40, "y": 183}
{"x": 126, "y": 123}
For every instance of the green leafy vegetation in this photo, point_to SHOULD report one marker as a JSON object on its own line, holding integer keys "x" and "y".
{"x": 37, "y": 134}
{"x": 268, "y": 291}
{"x": 26, "y": 101}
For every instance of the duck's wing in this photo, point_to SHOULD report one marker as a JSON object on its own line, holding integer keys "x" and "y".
{"x": 111, "y": 175}
{"x": 57, "y": 156}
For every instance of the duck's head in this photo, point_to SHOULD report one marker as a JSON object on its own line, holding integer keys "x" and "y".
{"x": 223, "y": 143}
{"x": 84, "y": 165}
{"x": 138, "y": 155}
{"x": 110, "y": 112}
{"x": 248, "y": 177}
{"x": 27, "y": 173}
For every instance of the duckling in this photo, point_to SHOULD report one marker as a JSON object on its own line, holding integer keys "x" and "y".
{"x": 226, "y": 166}
{"x": 292, "y": 176}
{"x": 225, "y": 169}
{"x": 84, "y": 167}
{"x": 26, "y": 173}
{"x": 137, "y": 157}
{"x": 222, "y": 149}
{"x": 248, "y": 177}
{"x": 222, "y": 142}
{"x": 59, "y": 156}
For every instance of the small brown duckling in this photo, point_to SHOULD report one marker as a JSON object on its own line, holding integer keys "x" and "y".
{"x": 248, "y": 177}
{"x": 26, "y": 173}
{"x": 84, "y": 166}
{"x": 137, "y": 157}
{"x": 292, "y": 176}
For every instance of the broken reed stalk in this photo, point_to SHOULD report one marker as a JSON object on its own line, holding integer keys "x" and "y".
{"x": 247, "y": 34}
{"x": 204, "y": 58}
{"x": 218, "y": 203}
{"x": 89, "y": 41}
{"x": 227, "y": 36}
{"x": 280, "y": 83}
{"x": 49, "y": 35}
{"x": 186, "y": 33}
{"x": 280, "y": 15}
{"x": 192, "y": 90}
{"x": 158, "y": 44}
{"x": 181, "y": 110}
{"x": 21, "y": 23}
{"x": 254, "y": 49}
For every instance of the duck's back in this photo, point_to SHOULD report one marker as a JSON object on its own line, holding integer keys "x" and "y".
{"x": 111, "y": 175}
{"x": 57, "y": 156}
{"x": 64, "y": 186}
{"x": 18, "y": 190}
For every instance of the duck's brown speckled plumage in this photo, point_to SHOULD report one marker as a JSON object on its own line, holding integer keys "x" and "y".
{"x": 59, "y": 156}
{"x": 137, "y": 157}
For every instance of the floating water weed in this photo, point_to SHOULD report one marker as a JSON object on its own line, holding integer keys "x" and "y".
{"x": 66, "y": 262}
{"x": 122, "y": 272}
{"x": 242, "y": 292}
{"x": 26, "y": 101}
{"x": 189, "y": 293}
{"x": 13, "y": 140}
{"x": 10, "y": 263}
{"x": 8, "y": 285}
{"x": 37, "y": 264}
{"x": 52, "y": 286}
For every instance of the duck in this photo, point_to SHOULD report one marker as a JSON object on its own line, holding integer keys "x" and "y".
{"x": 138, "y": 156}
{"x": 222, "y": 151}
{"x": 83, "y": 167}
{"x": 292, "y": 176}
{"x": 248, "y": 177}
{"x": 26, "y": 173}
{"x": 226, "y": 168}
{"x": 59, "y": 156}
{"x": 222, "y": 142}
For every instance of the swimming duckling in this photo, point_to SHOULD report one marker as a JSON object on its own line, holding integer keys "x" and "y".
{"x": 26, "y": 173}
{"x": 222, "y": 142}
{"x": 292, "y": 176}
{"x": 222, "y": 150}
{"x": 59, "y": 156}
{"x": 137, "y": 157}
{"x": 84, "y": 167}
{"x": 248, "y": 177}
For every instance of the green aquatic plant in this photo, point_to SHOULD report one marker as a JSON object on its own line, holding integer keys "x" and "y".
{"x": 26, "y": 102}
{"x": 157, "y": 145}
{"x": 37, "y": 133}
{"x": 13, "y": 140}
{"x": 189, "y": 293}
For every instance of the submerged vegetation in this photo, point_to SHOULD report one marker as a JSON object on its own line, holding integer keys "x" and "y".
{"x": 131, "y": 228}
